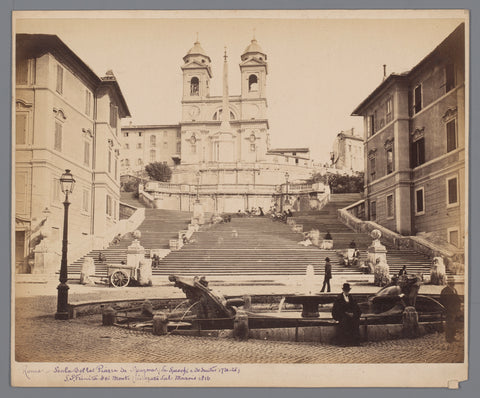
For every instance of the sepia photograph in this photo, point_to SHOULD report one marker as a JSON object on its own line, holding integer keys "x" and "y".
{"x": 240, "y": 198}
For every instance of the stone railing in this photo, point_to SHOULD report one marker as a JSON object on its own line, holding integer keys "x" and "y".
{"x": 147, "y": 199}
{"x": 126, "y": 211}
{"x": 90, "y": 242}
{"x": 323, "y": 201}
{"x": 395, "y": 240}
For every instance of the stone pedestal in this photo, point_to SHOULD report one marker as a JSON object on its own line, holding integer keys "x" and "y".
{"x": 377, "y": 260}
{"x": 438, "y": 272}
{"x": 410, "y": 326}
{"x": 135, "y": 254}
{"x": 109, "y": 316}
{"x": 240, "y": 326}
{"x": 47, "y": 261}
{"x": 327, "y": 244}
{"x": 160, "y": 323}
{"x": 145, "y": 272}
{"x": 198, "y": 213}
{"x": 87, "y": 271}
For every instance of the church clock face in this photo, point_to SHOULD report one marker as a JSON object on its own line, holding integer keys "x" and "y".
{"x": 193, "y": 111}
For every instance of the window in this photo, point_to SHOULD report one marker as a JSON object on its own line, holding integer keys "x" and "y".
{"x": 86, "y": 153}
{"x": 88, "y": 102}
{"x": 115, "y": 210}
{"x": 179, "y": 147}
{"x": 58, "y": 137}
{"x": 116, "y": 168}
{"x": 452, "y": 191}
{"x": 21, "y": 72}
{"x": 153, "y": 156}
{"x": 451, "y": 135}
{"x": 390, "y": 165}
{"x": 165, "y": 134}
{"x": 372, "y": 168}
{"x": 125, "y": 134}
{"x": 113, "y": 115}
{"x": 179, "y": 134}
{"x": 165, "y": 144}
{"x": 85, "y": 200}
{"x": 193, "y": 148}
{"x": 253, "y": 147}
{"x": 127, "y": 146}
{"x": 56, "y": 190}
{"x": 109, "y": 161}
{"x": 389, "y": 110}
{"x": 59, "y": 87}
{"x": 252, "y": 83}
{"x": 390, "y": 207}
{"x": 417, "y": 99}
{"x": 139, "y": 162}
{"x": 419, "y": 201}
{"x": 370, "y": 125}
{"x": 109, "y": 206}
{"x": 373, "y": 210}
{"x": 139, "y": 133}
{"x": 153, "y": 140}
{"x": 194, "y": 86}
{"x": 453, "y": 236}
{"x": 21, "y": 129}
{"x": 139, "y": 145}
{"x": 449, "y": 78}
{"x": 418, "y": 152}
{"x": 127, "y": 162}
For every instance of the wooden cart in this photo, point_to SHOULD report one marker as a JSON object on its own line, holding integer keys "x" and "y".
{"x": 120, "y": 275}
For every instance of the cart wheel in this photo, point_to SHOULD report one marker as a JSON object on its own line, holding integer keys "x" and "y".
{"x": 119, "y": 278}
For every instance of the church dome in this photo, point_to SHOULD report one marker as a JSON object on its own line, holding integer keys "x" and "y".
{"x": 197, "y": 49}
{"x": 253, "y": 48}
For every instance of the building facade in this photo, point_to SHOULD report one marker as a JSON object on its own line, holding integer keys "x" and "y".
{"x": 66, "y": 117}
{"x": 347, "y": 153}
{"x": 415, "y": 147}
{"x": 148, "y": 144}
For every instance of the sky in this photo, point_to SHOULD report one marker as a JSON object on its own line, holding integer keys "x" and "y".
{"x": 321, "y": 65}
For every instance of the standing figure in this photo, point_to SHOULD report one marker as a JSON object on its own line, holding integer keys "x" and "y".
{"x": 403, "y": 271}
{"x": 328, "y": 275}
{"x": 451, "y": 301}
{"x": 347, "y": 312}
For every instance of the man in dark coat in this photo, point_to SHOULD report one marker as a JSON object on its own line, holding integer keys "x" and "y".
{"x": 328, "y": 275}
{"x": 347, "y": 312}
{"x": 451, "y": 301}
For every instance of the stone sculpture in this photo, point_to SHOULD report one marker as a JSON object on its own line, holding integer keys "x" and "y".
{"x": 438, "y": 272}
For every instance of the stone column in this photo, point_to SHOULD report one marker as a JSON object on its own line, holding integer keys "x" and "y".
{"x": 240, "y": 325}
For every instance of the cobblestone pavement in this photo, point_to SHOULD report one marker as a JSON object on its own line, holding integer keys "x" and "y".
{"x": 40, "y": 338}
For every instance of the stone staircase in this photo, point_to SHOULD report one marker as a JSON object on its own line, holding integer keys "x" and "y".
{"x": 249, "y": 246}
{"x": 157, "y": 229}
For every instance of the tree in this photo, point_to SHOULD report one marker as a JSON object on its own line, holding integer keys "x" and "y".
{"x": 158, "y": 171}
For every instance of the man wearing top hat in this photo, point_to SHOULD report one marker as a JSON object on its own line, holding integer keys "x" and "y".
{"x": 452, "y": 303}
{"x": 347, "y": 312}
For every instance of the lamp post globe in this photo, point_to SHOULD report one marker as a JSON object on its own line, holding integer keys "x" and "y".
{"x": 67, "y": 183}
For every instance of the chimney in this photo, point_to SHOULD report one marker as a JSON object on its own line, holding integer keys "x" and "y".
{"x": 384, "y": 71}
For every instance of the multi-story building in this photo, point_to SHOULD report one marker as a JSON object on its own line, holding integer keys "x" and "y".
{"x": 415, "y": 146}
{"x": 143, "y": 144}
{"x": 347, "y": 151}
{"x": 66, "y": 117}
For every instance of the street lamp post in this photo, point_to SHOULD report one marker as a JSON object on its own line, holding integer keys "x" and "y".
{"x": 198, "y": 185}
{"x": 287, "y": 202}
{"x": 67, "y": 183}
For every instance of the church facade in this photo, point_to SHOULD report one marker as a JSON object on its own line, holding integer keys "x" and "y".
{"x": 224, "y": 157}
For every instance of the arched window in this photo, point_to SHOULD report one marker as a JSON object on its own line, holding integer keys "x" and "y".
{"x": 252, "y": 83}
{"x": 194, "y": 86}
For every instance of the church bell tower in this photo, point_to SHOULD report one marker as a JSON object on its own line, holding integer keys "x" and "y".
{"x": 254, "y": 71}
{"x": 196, "y": 74}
